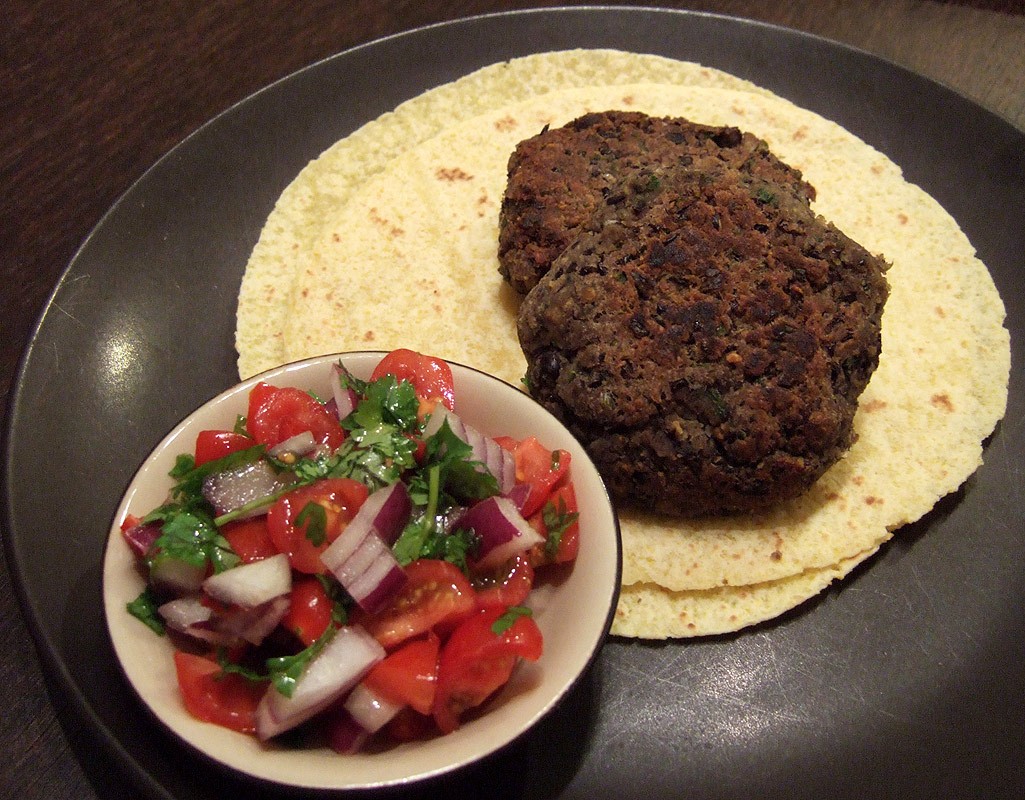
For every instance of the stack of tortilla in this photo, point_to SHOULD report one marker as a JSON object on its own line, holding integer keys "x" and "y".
{"x": 389, "y": 239}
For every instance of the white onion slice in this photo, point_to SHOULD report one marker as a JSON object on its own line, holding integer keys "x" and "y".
{"x": 335, "y": 670}
{"x": 369, "y": 709}
{"x": 251, "y": 584}
{"x": 501, "y": 529}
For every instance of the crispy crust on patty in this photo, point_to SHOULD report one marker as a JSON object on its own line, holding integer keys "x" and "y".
{"x": 560, "y": 179}
{"x": 709, "y": 345}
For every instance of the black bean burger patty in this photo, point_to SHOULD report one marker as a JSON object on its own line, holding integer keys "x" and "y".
{"x": 708, "y": 349}
{"x": 560, "y": 179}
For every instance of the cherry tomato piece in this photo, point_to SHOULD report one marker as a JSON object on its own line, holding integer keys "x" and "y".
{"x": 211, "y": 445}
{"x": 538, "y": 467}
{"x": 476, "y": 661}
{"x": 431, "y": 377}
{"x": 436, "y": 597}
{"x": 561, "y": 502}
{"x": 276, "y": 414}
{"x": 310, "y": 611}
{"x": 250, "y": 539}
{"x": 409, "y": 675}
{"x": 297, "y": 532}
{"x": 506, "y": 586}
{"x": 209, "y": 694}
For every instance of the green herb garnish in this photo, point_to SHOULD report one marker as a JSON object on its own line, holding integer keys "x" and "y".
{"x": 508, "y": 619}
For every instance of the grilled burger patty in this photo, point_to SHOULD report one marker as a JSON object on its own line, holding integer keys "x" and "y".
{"x": 708, "y": 343}
{"x": 560, "y": 179}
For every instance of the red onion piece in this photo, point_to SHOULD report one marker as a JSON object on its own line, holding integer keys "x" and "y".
{"x": 369, "y": 709}
{"x": 345, "y": 399}
{"x": 344, "y": 734}
{"x": 518, "y": 495}
{"x": 298, "y": 445}
{"x": 192, "y": 617}
{"x": 361, "y": 557}
{"x": 334, "y": 671}
{"x": 140, "y": 538}
{"x": 499, "y": 461}
{"x": 184, "y": 612}
{"x": 502, "y": 531}
{"x": 251, "y": 584}
{"x": 229, "y": 490}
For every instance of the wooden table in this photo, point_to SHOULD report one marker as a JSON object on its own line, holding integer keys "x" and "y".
{"x": 94, "y": 93}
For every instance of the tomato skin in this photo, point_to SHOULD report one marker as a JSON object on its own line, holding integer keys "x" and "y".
{"x": 276, "y": 414}
{"x": 214, "y": 444}
{"x": 430, "y": 376}
{"x": 310, "y": 612}
{"x": 250, "y": 539}
{"x": 475, "y": 662}
{"x": 540, "y": 468}
{"x": 507, "y": 586}
{"x": 409, "y": 675}
{"x": 228, "y": 700}
{"x": 563, "y": 498}
{"x": 339, "y": 497}
{"x": 436, "y": 597}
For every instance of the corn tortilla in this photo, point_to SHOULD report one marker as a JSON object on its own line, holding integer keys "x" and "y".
{"x": 308, "y": 202}
{"x": 410, "y": 260}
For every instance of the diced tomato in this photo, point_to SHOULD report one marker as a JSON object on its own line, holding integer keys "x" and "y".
{"x": 540, "y": 468}
{"x": 436, "y": 597}
{"x": 211, "y": 695}
{"x": 250, "y": 539}
{"x": 276, "y": 414}
{"x": 310, "y": 612}
{"x": 409, "y": 675}
{"x": 475, "y": 662}
{"x": 506, "y": 586}
{"x": 430, "y": 376}
{"x": 211, "y": 445}
{"x": 339, "y": 497}
{"x": 563, "y": 501}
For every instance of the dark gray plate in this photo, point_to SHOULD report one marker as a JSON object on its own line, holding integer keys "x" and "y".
{"x": 908, "y": 680}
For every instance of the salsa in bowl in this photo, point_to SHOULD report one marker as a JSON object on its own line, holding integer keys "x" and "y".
{"x": 372, "y": 528}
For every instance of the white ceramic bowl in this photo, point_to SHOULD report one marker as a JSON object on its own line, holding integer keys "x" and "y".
{"x": 574, "y": 616}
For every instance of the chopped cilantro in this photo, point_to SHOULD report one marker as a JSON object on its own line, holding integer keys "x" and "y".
{"x": 285, "y": 671}
{"x": 557, "y": 521}
{"x": 144, "y": 608}
{"x": 508, "y": 619}
{"x": 314, "y": 517}
{"x": 190, "y": 535}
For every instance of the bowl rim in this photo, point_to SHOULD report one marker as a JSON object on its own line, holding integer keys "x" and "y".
{"x": 184, "y": 728}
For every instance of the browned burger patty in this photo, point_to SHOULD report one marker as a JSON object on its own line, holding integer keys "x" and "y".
{"x": 560, "y": 179}
{"x": 709, "y": 347}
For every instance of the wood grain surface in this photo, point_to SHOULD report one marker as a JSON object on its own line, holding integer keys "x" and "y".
{"x": 92, "y": 94}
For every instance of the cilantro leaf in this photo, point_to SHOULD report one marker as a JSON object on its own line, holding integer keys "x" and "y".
{"x": 314, "y": 517}
{"x": 285, "y": 671}
{"x": 190, "y": 535}
{"x": 144, "y": 608}
{"x": 508, "y": 619}
{"x": 557, "y": 521}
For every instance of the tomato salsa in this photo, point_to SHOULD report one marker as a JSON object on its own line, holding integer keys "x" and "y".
{"x": 353, "y": 568}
